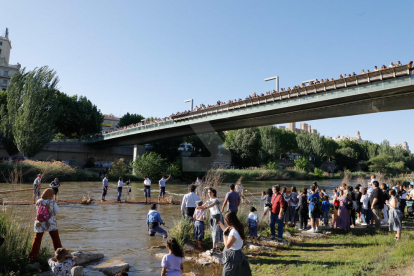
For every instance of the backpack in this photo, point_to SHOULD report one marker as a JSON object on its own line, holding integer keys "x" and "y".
{"x": 336, "y": 202}
{"x": 349, "y": 205}
{"x": 316, "y": 208}
{"x": 42, "y": 213}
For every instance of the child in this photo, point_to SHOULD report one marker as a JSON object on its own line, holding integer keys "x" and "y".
{"x": 253, "y": 222}
{"x": 62, "y": 264}
{"x": 335, "y": 213}
{"x": 172, "y": 263}
{"x": 325, "y": 209}
{"x": 153, "y": 221}
{"x": 199, "y": 218}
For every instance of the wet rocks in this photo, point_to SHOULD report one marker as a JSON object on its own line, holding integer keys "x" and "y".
{"x": 211, "y": 257}
{"x": 87, "y": 257}
{"x": 157, "y": 247}
{"x": 159, "y": 255}
{"x": 112, "y": 267}
{"x": 77, "y": 271}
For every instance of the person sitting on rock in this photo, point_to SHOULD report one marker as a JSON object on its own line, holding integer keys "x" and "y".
{"x": 61, "y": 264}
{"x": 153, "y": 222}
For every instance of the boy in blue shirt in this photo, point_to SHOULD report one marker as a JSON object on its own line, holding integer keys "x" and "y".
{"x": 153, "y": 222}
{"x": 325, "y": 210}
{"x": 253, "y": 222}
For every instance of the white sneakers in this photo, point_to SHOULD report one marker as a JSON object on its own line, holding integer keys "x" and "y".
{"x": 311, "y": 230}
{"x": 317, "y": 229}
{"x": 364, "y": 224}
{"x": 358, "y": 221}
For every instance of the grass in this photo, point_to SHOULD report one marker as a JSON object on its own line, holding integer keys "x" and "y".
{"x": 14, "y": 253}
{"x": 182, "y": 231}
{"x": 354, "y": 253}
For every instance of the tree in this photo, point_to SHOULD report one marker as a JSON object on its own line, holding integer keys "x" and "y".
{"x": 167, "y": 148}
{"x": 357, "y": 147}
{"x": 244, "y": 146}
{"x": 302, "y": 163}
{"x": 387, "y": 164}
{"x": 304, "y": 144}
{"x": 346, "y": 158}
{"x": 119, "y": 167}
{"x": 6, "y": 135}
{"x": 129, "y": 119}
{"x": 150, "y": 164}
{"x": 331, "y": 146}
{"x": 271, "y": 140}
{"x": 77, "y": 116}
{"x": 289, "y": 143}
{"x": 318, "y": 143}
{"x": 31, "y": 106}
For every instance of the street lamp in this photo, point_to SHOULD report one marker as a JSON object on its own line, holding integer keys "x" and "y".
{"x": 190, "y": 100}
{"x": 277, "y": 81}
{"x": 308, "y": 81}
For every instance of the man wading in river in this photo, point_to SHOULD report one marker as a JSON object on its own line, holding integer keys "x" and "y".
{"x": 104, "y": 187}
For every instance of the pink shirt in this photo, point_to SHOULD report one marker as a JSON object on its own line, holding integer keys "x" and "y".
{"x": 199, "y": 214}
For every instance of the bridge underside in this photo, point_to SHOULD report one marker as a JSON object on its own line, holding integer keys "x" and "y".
{"x": 381, "y": 101}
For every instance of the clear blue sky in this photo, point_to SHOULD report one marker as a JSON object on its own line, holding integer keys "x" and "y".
{"x": 148, "y": 57}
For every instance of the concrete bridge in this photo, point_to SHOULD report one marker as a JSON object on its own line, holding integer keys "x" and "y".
{"x": 380, "y": 91}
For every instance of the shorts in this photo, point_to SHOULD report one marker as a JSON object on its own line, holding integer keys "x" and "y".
{"x": 104, "y": 191}
{"x": 147, "y": 192}
{"x": 315, "y": 215}
{"x": 252, "y": 231}
{"x": 266, "y": 208}
{"x": 162, "y": 191}
{"x": 55, "y": 191}
{"x": 199, "y": 230}
{"x": 36, "y": 191}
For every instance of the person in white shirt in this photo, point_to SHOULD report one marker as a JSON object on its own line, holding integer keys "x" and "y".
{"x": 235, "y": 262}
{"x": 121, "y": 183}
{"x": 189, "y": 203}
{"x": 147, "y": 189}
{"x": 161, "y": 183}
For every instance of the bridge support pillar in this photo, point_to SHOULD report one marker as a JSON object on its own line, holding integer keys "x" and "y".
{"x": 138, "y": 151}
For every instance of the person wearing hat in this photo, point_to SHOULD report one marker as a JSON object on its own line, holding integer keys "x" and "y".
{"x": 253, "y": 222}
{"x": 199, "y": 218}
{"x": 45, "y": 222}
{"x": 36, "y": 187}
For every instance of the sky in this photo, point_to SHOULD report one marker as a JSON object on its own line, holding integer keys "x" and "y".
{"x": 147, "y": 57}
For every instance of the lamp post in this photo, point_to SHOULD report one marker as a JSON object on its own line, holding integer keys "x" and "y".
{"x": 277, "y": 81}
{"x": 190, "y": 100}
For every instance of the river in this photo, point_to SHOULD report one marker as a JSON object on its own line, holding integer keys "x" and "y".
{"x": 119, "y": 230}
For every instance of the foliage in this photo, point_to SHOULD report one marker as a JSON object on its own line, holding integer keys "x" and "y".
{"x": 318, "y": 148}
{"x": 182, "y": 231}
{"x": 119, "y": 167}
{"x": 304, "y": 141}
{"x": 31, "y": 107}
{"x": 6, "y": 134}
{"x": 150, "y": 164}
{"x": 330, "y": 148}
{"x": 14, "y": 253}
{"x": 271, "y": 140}
{"x": 129, "y": 119}
{"x": 174, "y": 171}
{"x": 272, "y": 166}
{"x": 167, "y": 148}
{"x": 244, "y": 145}
{"x": 302, "y": 163}
{"x": 386, "y": 164}
{"x": 318, "y": 172}
{"x": 346, "y": 158}
{"x": 77, "y": 116}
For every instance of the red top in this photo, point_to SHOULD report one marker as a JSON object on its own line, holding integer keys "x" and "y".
{"x": 277, "y": 203}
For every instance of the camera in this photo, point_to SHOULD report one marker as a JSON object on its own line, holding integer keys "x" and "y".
{"x": 227, "y": 232}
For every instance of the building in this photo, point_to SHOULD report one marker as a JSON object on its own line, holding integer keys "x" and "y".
{"x": 303, "y": 128}
{"x": 6, "y": 69}
{"x": 110, "y": 122}
{"x": 403, "y": 146}
{"x": 357, "y": 138}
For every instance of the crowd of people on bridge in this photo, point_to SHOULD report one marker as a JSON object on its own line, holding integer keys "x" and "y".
{"x": 252, "y": 96}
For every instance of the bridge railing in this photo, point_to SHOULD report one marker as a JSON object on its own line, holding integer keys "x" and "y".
{"x": 380, "y": 75}
{"x": 158, "y": 125}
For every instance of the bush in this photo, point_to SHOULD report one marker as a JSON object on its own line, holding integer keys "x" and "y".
{"x": 302, "y": 163}
{"x": 14, "y": 253}
{"x": 272, "y": 166}
{"x": 150, "y": 164}
{"x": 119, "y": 167}
{"x": 318, "y": 172}
{"x": 182, "y": 231}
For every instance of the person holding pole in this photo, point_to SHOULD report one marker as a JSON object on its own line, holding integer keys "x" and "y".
{"x": 55, "y": 186}
{"x": 161, "y": 183}
{"x": 147, "y": 189}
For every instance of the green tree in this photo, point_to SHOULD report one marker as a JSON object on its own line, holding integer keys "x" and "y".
{"x": 150, "y": 164}
{"x": 346, "y": 158}
{"x": 304, "y": 144}
{"x": 331, "y": 146}
{"x": 6, "y": 135}
{"x": 129, "y": 119}
{"x": 387, "y": 164}
{"x": 289, "y": 143}
{"x": 357, "y": 147}
{"x": 244, "y": 146}
{"x": 271, "y": 140}
{"x": 32, "y": 108}
{"x": 318, "y": 143}
{"x": 119, "y": 167}
{"x": 302, "y": 163}
{"x": 77, "y": 116}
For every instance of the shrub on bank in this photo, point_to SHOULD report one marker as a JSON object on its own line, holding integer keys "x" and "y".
{"x": 14, "y": 253}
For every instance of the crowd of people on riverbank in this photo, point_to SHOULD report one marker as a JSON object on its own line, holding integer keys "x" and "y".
{"x": 369, "y": 206}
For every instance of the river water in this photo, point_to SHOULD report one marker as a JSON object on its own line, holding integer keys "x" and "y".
{"x": 120, "y": 230}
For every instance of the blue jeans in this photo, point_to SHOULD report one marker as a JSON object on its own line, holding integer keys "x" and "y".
{"x": 274, "y": 218}
{"x": 326, "y": 218}
{"x": 293, "y": 214}
{"x": 119, "y": 193}
{"x": 159, "y": 230}
{"x": 363, "y": 213}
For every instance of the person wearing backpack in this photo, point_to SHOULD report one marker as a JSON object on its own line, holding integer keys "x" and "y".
{"x": 45, "y": 222}
{"x": 314, "y": 208}
{"x": 277, "y": 214}
{"x": 294, "y": 200}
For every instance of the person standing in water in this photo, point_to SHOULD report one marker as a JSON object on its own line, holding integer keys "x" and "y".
{"x": 104, "y": 187}
{"x": 161, "y": 183}
{"x": 55, "y": 186}
{"x": 147, "y": 189}
{"x": 121, "y": 183}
